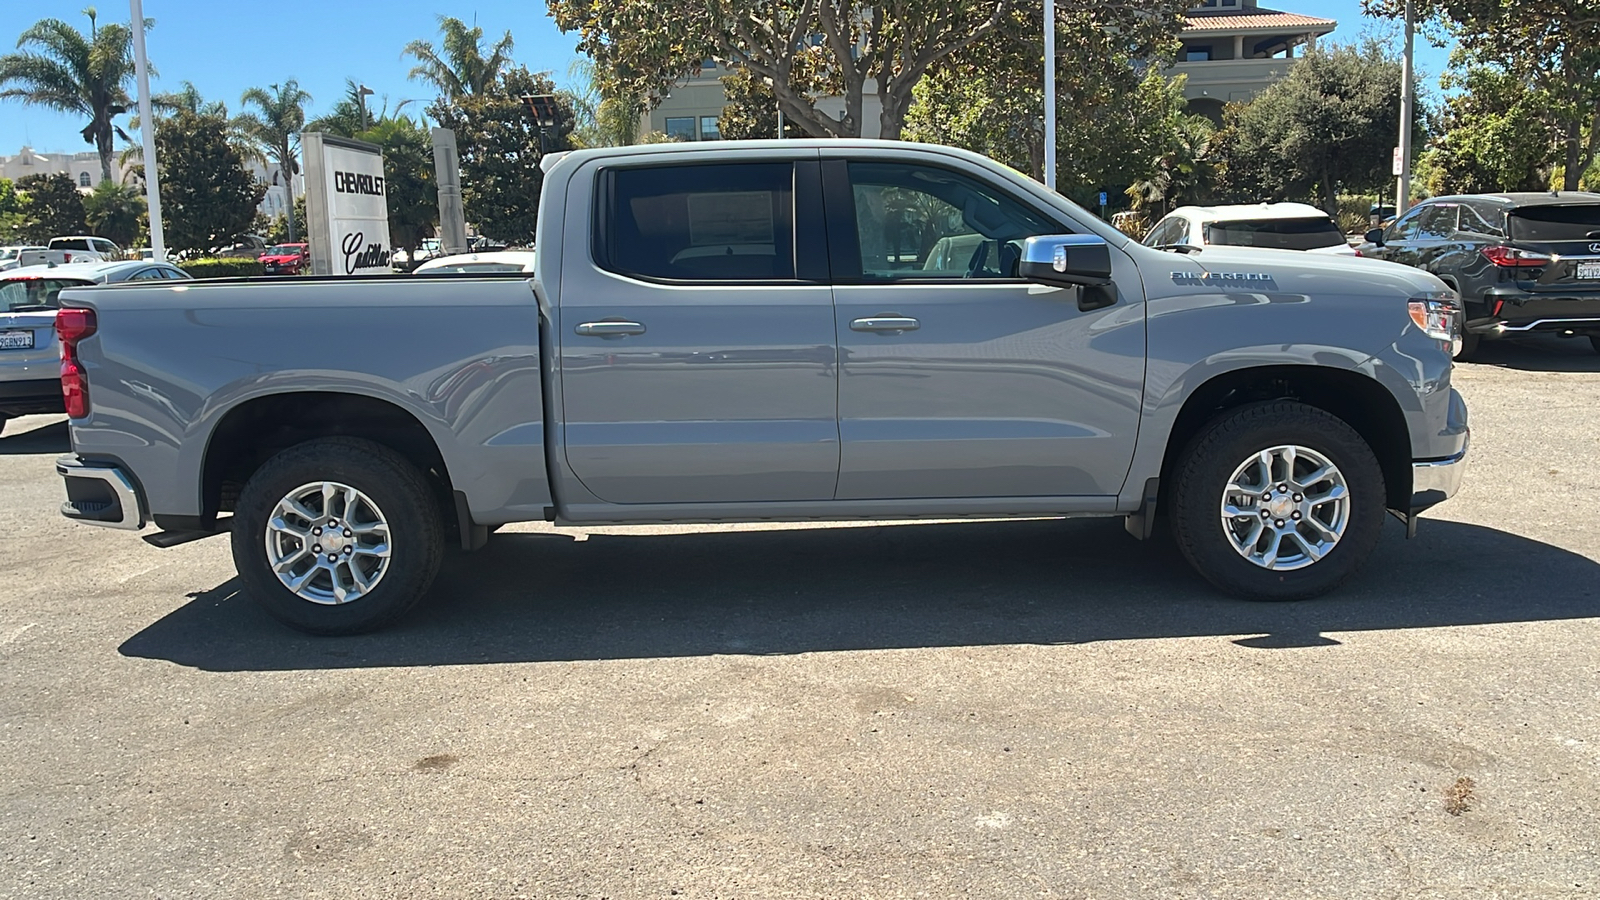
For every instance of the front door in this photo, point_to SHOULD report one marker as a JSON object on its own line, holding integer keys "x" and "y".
{"x": 957, "y": 378}
{"x": 698, "y": 361}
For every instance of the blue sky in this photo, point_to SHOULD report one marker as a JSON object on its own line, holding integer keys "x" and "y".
{"x": 361, "y": 39}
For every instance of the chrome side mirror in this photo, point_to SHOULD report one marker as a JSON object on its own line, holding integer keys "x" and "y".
{"x": 1066, "y": 260}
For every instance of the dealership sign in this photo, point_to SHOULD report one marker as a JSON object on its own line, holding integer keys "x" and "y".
{"x": 346, "y": 211}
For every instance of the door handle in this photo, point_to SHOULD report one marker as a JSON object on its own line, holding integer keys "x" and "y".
{"x": 885, "y": 324}
{"x": 610, "y": 328}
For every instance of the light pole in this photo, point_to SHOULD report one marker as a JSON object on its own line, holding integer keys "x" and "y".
{"x": 152, "y": 177}
{"x": 362, "y": 93}
{"x": 546, "y": 114}
{"x": 1403, "y": 152}
{"x": 1050, "y": 94}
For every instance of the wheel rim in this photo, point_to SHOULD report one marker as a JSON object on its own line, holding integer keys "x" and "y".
{"x": 1285, "y": 508}
{"x": 328, "y": 543}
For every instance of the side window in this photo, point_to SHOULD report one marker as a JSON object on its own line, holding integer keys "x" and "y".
{"x": 1405, "y": 227}
{"x": 1168, "y": 231}
{"x": 150, "y": 274}
{"x": 1479, "y": 221}
{"x": 1437, "y": 222}
{"x": 727, "y": 222}
{"x": 927, "y": 223}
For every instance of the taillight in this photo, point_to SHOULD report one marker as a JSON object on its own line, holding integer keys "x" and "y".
{"x": 72, "y": 326}
{"x": 1511, "y": 257}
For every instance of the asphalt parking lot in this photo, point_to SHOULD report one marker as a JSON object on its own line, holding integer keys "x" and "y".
{"x": 996, "y": 710}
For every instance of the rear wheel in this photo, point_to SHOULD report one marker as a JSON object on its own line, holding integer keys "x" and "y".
{"x": 337, "y": 536}
{"x": 1277, "y": 501}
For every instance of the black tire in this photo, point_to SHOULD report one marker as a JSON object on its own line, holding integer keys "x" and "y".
{"x": 1228, "y": 441}
{"x": 1470, "y": 343}
{"x": 415, "y": 532}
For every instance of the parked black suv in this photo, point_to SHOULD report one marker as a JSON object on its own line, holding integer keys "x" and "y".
{"x": 1521, "y": 262}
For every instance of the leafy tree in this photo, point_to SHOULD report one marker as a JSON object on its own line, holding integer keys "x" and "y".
{"x": 115, "y": 211}
{"x": 351, "y": 115}
{"x": 53, "y": 207}
{"x": 10, "y": 212}
{"x": 1183, "y": 171}
{"x": 1552, "y": 46}
{"x": 1327, "y": 128}
{"x": 208, "y": 197}
{"x": 1494, "y": 135}
{"x": 70, "y": 72}
{"x": 647, "y": 45}
{"x": 1111, "y": 105}
{"x": 189, "y": 99}
{"x": 408, "y": 180}
{"x": 275, "y": 127}
{"x": 277, "y": 231}
{"x": 500, "y": 152}
{"x": 460, "y": 66}
{"x": 600, "y": 120}
{"x": 751, "y": 112}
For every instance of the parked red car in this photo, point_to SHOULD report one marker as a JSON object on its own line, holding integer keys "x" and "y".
{"x": 286, "y": 259}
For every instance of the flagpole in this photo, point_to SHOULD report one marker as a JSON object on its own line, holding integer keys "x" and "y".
{"x": 147, "y": 132}
{"x": 1050, "y": 94}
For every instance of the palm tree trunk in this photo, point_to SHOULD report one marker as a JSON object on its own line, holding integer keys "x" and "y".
{"x": 286, "y": 166}
{"x": 102, "y": 144}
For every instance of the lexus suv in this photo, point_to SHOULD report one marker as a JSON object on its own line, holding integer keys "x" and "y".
{"x": 1526, "y": 262}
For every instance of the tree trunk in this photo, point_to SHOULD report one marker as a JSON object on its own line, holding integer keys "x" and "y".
{"x": 102, "y": 142}
{"x": 1574, "y": 168}
{"x": 286, "y": 166}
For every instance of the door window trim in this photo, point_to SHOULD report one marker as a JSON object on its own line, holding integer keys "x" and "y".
{"x": 810, "y": 243}
{"x": 844, "y": 240}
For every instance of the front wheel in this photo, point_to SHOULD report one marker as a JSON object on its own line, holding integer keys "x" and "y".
{"x": 337, "y": 536}
{"x": 1277, "y": 501}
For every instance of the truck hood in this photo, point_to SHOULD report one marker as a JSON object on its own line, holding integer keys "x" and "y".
{"x": 1295, "y": 270}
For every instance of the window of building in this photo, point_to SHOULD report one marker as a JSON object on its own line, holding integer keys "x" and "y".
{"x": 1217, "y": 4}
{"x": 729, "y": 222}
{"x": 926, "y": 223}
{"x": 84, "y": 180}
{"x": 709, "y": 130}
{"x": 680, "y": 128}
{"x": 1197, "y": 54}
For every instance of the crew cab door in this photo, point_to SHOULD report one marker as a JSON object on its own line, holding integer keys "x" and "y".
{"x": 695, "y": 322}
{"x": 957, "y": 378}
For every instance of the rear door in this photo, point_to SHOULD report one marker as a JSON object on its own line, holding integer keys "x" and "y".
{"x": 957, "y": 378}
{"x": 698, "y": 362}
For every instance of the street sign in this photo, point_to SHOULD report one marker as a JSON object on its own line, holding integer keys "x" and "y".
{"x": 1102, "y": 198}
{"x": 1399, "y": 166}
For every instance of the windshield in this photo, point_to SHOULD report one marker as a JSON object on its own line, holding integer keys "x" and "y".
{"x": 10, "y": 253}
{"x": 35, "y": 293}
{"x": 1277, "y": 234}
{"x": 282, "y": 250}
{"x": 1556, "y": 223}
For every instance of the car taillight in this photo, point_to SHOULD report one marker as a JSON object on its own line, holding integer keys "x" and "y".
{"x": 1511, "y": 257}
{"x": 72, "y": 326}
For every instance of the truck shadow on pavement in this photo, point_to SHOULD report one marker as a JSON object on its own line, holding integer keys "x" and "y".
{"x": 50, "y": 438}
{"x": 1539, "y": 353}
{"x": 548, "y": 597}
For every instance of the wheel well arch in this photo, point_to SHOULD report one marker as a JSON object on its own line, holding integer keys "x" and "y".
{"x": 254, "y": 431}
{"x": 1361, "y": 402}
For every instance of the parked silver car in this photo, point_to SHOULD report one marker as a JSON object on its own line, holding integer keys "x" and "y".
{"x": 29, "y": 296}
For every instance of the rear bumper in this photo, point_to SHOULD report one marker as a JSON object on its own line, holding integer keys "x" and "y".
{"x": 1520, "y": 312}
{"x": 100, "y": 493}
{"x": 31, "y": 397}
{"x": 1434, "y": 481}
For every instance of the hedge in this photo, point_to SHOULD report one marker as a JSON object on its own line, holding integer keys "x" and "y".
{"x": 222, "y": 268}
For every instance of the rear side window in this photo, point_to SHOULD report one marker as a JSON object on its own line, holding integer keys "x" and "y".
{"x": 34, "y": 293}
{"x": 1480, "y": 221}
{"x": 1556, "y": 223}
{"x": 713, "y": 222}
{"x": 1277, "y": 234}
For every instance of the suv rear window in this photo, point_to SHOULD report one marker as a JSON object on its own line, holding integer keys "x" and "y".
{"x": 1277, "y": 234}
{"x": 1556, "y": 223}
{"x": 714, "y": 222}
{"x": 69, "y": 244}
{"x": 34, "y": 293}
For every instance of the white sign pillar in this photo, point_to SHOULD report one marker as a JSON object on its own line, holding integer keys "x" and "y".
{"x": 147, "y": 131}
{"x": 347, "y": 212}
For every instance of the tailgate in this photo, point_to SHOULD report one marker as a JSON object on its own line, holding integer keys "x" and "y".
{"x": 28, "y": 346}
{"x": 1570, "y": 233}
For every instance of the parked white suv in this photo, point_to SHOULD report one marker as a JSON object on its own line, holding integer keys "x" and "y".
{"x": 1276, "y": 226}
{"x": 81, "y": 247}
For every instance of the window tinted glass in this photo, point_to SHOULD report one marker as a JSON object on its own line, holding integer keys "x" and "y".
{"x": 702, "y": 223}
{"x": 69, "y": 244}
{"x": 1170, "y": 231}
{"x": 681, "y": 128}
{"x": 1556, "y": 223}
{"x": 151, "y": 274}
{"x": 1405, "y": 227}
{"x": 1481, "y": 221}
{"x": 918, "y": 222}
{"x": 34, "y": 292}
{"x": 1437, "y": 222}
{"x": 1279, "y": 234}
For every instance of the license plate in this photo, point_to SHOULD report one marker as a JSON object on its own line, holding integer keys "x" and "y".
{"x": 1588, "y": 270}
{"x": 16, "y": 340}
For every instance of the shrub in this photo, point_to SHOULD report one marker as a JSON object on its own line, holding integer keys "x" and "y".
{"x": 222, "y": 268}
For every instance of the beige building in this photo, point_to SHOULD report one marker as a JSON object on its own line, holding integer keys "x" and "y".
{"x": 1232, "y": 49}
{"x": 84, "y": 168}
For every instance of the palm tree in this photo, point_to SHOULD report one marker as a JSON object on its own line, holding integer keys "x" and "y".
{"x": 76, "y": 74}
{"x": 276, "y": 127}
{"x": 352, "y": 115}
{"x": 462, "y": 69}
{"x": 189, "y": 99}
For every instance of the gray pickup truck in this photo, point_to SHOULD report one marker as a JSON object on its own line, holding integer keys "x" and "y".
{"x": 789, "y": 330}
